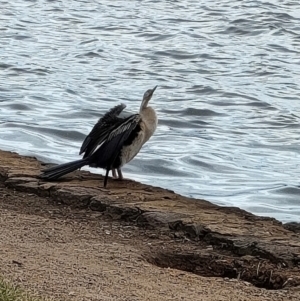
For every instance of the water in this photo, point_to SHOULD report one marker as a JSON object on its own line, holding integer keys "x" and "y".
{"x": 228, "y": 99}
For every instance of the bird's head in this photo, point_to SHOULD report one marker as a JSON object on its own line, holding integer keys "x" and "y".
{"x": 147, "y": 96}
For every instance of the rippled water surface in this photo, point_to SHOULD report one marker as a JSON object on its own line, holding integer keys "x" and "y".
{"x": 228, "y": 99}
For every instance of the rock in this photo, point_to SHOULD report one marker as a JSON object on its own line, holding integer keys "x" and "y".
{"x": 239, "y": 234}
{"x": 292, "y": 226}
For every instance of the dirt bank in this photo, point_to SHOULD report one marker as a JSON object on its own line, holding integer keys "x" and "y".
{"x": 74, "y": 240}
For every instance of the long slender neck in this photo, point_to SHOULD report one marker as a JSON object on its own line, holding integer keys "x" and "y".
{"x": 143, "y": 105}
{"x": 149, "y": 121}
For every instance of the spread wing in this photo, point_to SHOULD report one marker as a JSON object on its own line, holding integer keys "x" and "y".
{"x": 107, "y": 152}
{"x": 101, "y": 130}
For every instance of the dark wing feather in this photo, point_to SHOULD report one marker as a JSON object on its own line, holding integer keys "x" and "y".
{"x": 106, "y": 154}
{"x": 101, "y": 130}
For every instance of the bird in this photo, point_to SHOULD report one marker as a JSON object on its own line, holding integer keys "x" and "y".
{"x": 100, "y": 132}
{"x": 113, "y": 142}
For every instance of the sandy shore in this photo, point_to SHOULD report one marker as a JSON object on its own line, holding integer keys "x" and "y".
{"x": 74, "y": 240}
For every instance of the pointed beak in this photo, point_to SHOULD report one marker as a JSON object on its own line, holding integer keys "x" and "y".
{"x": 154, "y": 89}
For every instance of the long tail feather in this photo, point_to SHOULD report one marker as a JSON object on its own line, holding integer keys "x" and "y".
{"x": 58, "y": 171}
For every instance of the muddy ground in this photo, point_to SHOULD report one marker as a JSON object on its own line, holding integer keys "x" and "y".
{"x": 73, "y": 240}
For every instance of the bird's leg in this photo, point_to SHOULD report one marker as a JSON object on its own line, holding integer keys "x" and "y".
{"x": 106, "y": 177}
{"x": 120, "y": 174}
{"x": 114, "y": 174}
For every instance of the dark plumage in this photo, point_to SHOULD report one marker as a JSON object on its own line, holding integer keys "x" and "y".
{"x": 101, "y": 130}
{"x": 113, "y": 141}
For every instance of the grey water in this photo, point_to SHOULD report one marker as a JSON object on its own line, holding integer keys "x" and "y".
{"x": 228, "y": 96}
